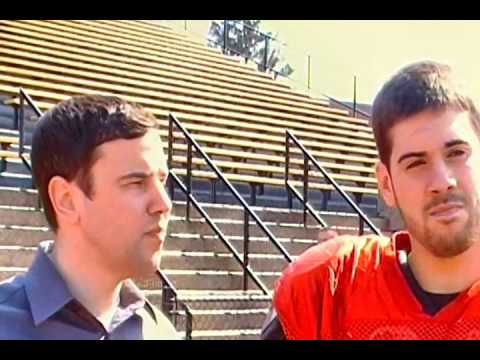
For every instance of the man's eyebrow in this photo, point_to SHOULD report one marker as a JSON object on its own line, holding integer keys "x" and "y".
{"x": 410, "y": 155}
{"x": 418, "y": 154}
{"x": 455, "y": 142}
{"x": 134, "y": 174}
{"x": 142, "y": 175}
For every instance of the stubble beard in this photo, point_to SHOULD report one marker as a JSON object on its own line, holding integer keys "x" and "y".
{"x": 435, "y": 238}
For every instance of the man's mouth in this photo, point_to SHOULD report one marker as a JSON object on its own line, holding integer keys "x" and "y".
{"x": 157, "y": 231}
{"x": 446, "y": 212}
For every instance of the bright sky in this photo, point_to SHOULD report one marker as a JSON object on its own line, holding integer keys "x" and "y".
{"x": 371, "y": 50}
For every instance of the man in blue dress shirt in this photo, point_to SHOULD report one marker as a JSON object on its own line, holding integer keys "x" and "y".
{"x": 100, "y": 170}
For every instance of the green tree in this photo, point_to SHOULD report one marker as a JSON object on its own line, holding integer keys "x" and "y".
{"x": 245, "y": 39}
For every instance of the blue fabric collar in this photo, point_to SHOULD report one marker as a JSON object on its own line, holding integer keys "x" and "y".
{"x": 46, "y": 290}
{"x": 48, "y": 293}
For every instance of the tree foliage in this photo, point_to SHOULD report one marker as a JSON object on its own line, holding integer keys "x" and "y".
{"x": 245, "y": 39}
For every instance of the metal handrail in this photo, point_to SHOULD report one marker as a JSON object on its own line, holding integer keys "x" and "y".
{"x": 353, "y": 109}
{"x": 307, "y": 207}
{"x": 248, "y": 212}
{"x": 170, "y": 304}
{"x": 23, "y": 96}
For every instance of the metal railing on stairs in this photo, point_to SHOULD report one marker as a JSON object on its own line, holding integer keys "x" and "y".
{"x": 171, "y": 305}
{"x": 352, "y": 108}
{"x": 248, "y": 212}
{"x": 24, "y": 97}
{"x": 307, "y": 157}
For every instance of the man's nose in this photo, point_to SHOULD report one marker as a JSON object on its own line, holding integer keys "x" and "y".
{"x": 442, "y": 179}
{"x": 160, "y": 202}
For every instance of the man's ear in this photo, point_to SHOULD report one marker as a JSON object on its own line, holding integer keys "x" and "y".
{"x": 385, "y": 184}
{"x": 61, "y": 195}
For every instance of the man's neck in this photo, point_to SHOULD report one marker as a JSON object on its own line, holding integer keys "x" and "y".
{"x": 445, "y": 275}
{"x": 91, "y": 285}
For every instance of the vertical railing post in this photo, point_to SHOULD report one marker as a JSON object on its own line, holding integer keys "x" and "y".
{"x": 354, "y": 96}
{"x": 170, "y": 155}
{"x": 305, "y": 188}
{"x": 225, "y": 36}
{"x": 189, "y": 324}
{"x": 361, "y": 229}
{"x": 246, "y": 240}
{"x": 308, "y": 72}
{"x": 189, "y": 177}
{"x": 15, "y": 118}
{"x": 287, "y": 167}
{"x": 265, "y": 55}
{"x": 22, "y": 120}
{"x": 167, "y": 300}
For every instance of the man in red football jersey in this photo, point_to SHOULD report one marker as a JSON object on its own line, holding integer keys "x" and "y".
{"x": 423, "y": 283}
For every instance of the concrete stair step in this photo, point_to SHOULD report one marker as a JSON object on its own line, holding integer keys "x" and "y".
{"x": 32, "y": 236}
{"x": 15, "y": 167}
{"x": 29, "y": 217}
{"x": 223, "y": 261}
{"x": 211, "y": 300}
{"x": 242, "y": 334}
{"x": 208, "y": 280}
{"x": 276, "y": 215}
{"x": 16, "y": 196}
{"x": 8, "y": 180}
{"x": 8, "y": 272}
{"x": 5, "y": 131}
{"x": 224, "y": 319}
{"x": 196, "y": 242}
{"x": 22, "y": 216}
{"x": 16, "y": 256}
{"x": 24, "y": 235}
{"x": 279, "y": 221}
{"x": 23, "y": 256}
{"x": 26, "y": 147}
{"x": 230, "y": 228}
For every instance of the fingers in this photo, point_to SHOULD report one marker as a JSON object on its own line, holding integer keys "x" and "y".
{"x": 326, "y": 234}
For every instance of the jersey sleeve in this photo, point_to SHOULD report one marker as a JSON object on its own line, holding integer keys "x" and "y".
{"x": 301, "y": 293}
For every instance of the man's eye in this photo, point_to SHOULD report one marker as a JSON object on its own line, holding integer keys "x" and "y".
{"x": 456, "y": 153}
{"x": 415, "y": 164}
{"x": 136, "y": 183}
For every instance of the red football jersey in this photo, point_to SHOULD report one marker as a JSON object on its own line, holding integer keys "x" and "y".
{"x": 353, "y": 288}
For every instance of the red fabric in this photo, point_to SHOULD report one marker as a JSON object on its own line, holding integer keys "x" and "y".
{"x": 353, "y": 288}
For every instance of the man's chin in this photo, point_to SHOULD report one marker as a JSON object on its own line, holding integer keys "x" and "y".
{"x": 449, "y": 252}
{"x": 448, "y": 244}
{"x": 147, "y": 269}
{"x": 147, "y": 272}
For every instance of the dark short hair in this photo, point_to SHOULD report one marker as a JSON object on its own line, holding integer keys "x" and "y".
{"x": 421, "y": 86}
{"x": 65, "y": 138}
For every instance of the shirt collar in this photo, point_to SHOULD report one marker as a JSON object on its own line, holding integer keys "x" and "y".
{"x": 133, "y": 298}
{"x": 46, "y": 290}
{"x": 401, "y": 241}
